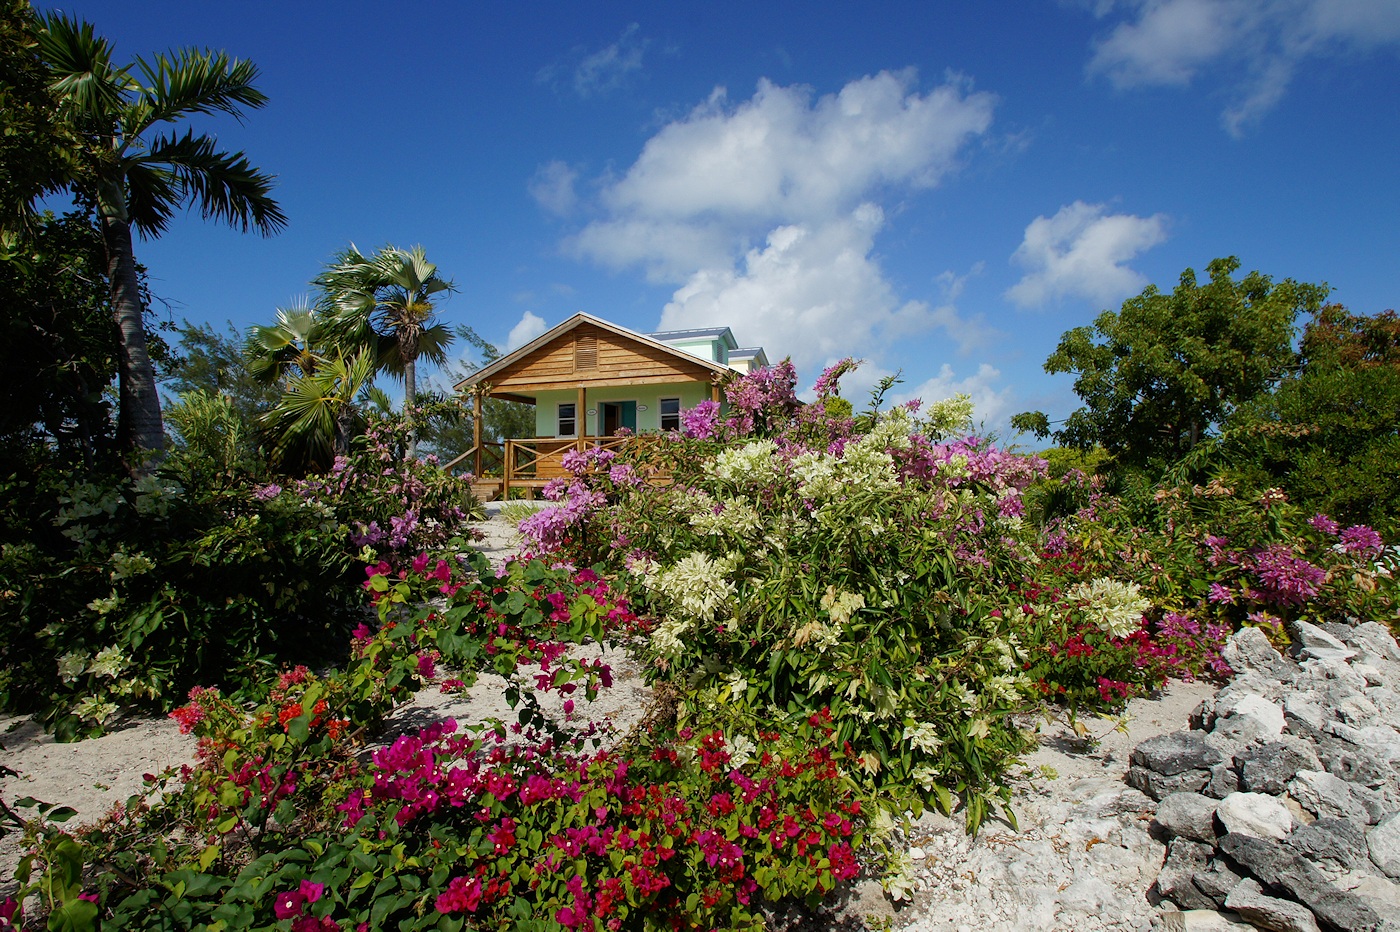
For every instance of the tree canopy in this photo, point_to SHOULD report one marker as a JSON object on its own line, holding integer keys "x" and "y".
{"x": 1160, "y": 374}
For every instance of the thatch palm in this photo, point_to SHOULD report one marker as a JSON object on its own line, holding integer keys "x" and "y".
{"x": 387, "y": 301}
{"x": 319, "y": 412}
{"x": 292, "y": 347}
{"x": 137, "y": 177}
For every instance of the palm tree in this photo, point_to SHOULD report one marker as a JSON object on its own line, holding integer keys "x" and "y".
{"x": 319, "y": 411}
{"x": 289, "y": 348}
{"x": 137, "y": 177}
{"x": 387, "y": 301}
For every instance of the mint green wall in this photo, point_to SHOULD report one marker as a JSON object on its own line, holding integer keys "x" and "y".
{"x": 713, "y": 350}
{"x": 648, "y": 421}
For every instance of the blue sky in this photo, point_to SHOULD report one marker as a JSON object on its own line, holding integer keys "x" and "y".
{"x": 941, "y": 188}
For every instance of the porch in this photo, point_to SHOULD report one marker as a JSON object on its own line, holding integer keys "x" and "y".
{"x": 531, "y": 463}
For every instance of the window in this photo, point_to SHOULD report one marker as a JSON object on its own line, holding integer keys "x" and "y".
{"x": 568, "y": 420}
{"x": 670, "y": 413}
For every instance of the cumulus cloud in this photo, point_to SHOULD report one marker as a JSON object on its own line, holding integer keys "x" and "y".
{"x": 1261, "y": 44}
{"x": 552, "y": 187}
{"x": 990, "y": 405}
{"x": 1080, "y": 252}
{"x": 765, "y": 212}
{"x": 531, "y": 325}
{"x": 601, "y": 71}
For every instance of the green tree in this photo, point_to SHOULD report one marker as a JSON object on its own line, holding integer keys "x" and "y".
{"x": 293, "y": 346}
{"x": 136, "y": 176}
{"x": 320, "y": 412}
{"x": 1329, "y": 434}
{"x": 214, "y": 363}
{"x": 1157, "y": 376}
{"x": 31, "y": 144}
{"x": 58, "y": 347}
{"x": 386, "y": 301}
{"x": 448, "y": 430}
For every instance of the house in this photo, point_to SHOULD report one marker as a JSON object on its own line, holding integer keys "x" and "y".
{"x": 593, "y": 383}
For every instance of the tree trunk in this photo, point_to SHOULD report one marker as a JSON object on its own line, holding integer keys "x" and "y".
{"x": 410, "y": 397}
{"x": 140, "y": 429}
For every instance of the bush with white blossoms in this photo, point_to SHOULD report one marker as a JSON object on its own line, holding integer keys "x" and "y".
{"x": 1116, "y": 608}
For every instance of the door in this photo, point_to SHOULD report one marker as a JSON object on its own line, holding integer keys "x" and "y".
{"x": 619, "y": 414}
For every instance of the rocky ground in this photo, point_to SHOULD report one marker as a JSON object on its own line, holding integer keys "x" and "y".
{"x": 1269, "y": 804}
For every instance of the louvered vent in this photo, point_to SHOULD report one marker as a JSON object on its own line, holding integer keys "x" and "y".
{"x": 586, "y": 353}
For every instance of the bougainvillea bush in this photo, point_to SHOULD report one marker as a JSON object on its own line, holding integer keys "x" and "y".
{"x": 287, "y": 823}
{"x": 880, "y": 568}
{"x": 120, "y": 594}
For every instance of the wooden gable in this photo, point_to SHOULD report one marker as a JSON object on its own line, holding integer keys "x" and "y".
{"x": 588, "y": 355}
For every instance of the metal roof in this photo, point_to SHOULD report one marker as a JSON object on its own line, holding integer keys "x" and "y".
{"x": 717, "y": 332}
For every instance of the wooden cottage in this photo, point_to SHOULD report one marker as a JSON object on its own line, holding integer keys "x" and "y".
{"x": 592, "y": 383}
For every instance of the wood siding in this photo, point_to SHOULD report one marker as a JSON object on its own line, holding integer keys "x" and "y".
{"x": 591, "y": 356}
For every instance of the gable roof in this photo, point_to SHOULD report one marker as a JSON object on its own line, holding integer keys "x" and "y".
{"x": 723, "y": 334}
{"x": 652, "y": 346}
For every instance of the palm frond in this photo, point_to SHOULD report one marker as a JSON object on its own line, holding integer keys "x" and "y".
{"x": 151, "y": 196}
{"x": 196, "y": 81}
{"x": 80, "y": 65}
{"x": 224, "y": 185}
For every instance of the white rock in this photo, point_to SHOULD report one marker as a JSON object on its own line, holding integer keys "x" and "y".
{"x": 1199, "y": 920}
{"x": 917, "y": 854}
{"x": 1384, "y": 844}
{"x": 1325, "y": 795}
{"x": 1256, "y": 814}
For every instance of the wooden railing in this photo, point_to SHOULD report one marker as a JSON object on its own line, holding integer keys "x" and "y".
{"x": 532, "y": 462}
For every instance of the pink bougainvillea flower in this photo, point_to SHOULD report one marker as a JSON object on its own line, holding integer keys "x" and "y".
{"x": 289, "y": 905}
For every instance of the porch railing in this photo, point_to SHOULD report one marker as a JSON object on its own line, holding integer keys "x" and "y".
{"x": 532, "y": 462}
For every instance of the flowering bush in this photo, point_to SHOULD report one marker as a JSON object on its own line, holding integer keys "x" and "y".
{"x": 122, "y": 594}
{"x": 281, "y": 824}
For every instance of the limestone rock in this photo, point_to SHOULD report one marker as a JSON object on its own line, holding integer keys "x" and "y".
{"x": 1373, "y": 638}
{"x": 1273, "y": 864}
{"x": 1185, "y": 859}
{"x": 1273, "y": 765}
{"x": 1159, "y": 787}
{"x": 1384, "y": 844}
{"x": 1216, "y": 881}
{"x": 1199, "y": 920}
{"x": 1326, "y": 796}
{"x": 1315, "y": 642}
{"x": 1255, "y": 814}
{"x": 1188, "y": 815}
{"x": 1268, "y": 912}
{"x": 1332, "y": 842}
{"x": 1224, "y": 780}
{"x": 1249, "y": 649}
{"x": 1175, "y": 753}
{"x": 1248, "y": 718}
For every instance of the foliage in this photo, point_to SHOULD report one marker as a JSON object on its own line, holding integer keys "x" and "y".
{"x": 214, "y": 363}
{"x": 31, "y": 145}
{"x": 123, "y": 593}
{"x": 57, "y": 342}
{"x": 1158, "y": 375}
{"x": 448, "y": 827}
{"x": 447, "y": 425}
{"x": 1329, "y": 434}
{"x": 118, "y": 161}
{"x": 321, "y": 411}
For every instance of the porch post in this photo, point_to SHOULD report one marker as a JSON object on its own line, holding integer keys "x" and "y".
{"x": 476, "y": 431}
{"x": 582, "y": 416}
{"x": 714, "y": 393}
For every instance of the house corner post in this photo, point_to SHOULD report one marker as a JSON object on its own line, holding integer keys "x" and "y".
{"x": 582, "y": 422}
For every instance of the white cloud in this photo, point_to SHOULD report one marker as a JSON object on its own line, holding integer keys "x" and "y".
{"x": 1262, "y": 43}
{"x": 552, "y": 187}
{"x": 990, "y": 405}
{"x": 782, "y": 156}
{"x": 1080, "y": 252}
{"x": 602, "y": 71}
{"x": 765, "y": 212}
{"x": 531, "y": 325}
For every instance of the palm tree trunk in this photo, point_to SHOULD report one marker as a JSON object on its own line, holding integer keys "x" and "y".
{"x": 410, "y": 397}
{"x": 140, "y": 429}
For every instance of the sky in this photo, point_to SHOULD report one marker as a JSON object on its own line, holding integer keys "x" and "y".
{"x": 940, "y": 188}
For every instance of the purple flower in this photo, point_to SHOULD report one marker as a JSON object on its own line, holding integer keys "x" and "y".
{"x": 702, "y": 421}
{"x": 1360, "y": 539}
{"x": 268, "y": 492}
{"x": 1222, "y": 594}
{"x": 1324, "y": 524}
{"x": 829, "y": 382}
{"x": 1286, "y": 579}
